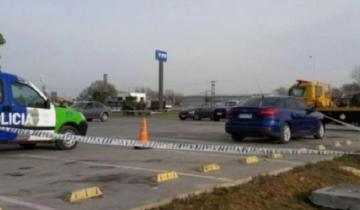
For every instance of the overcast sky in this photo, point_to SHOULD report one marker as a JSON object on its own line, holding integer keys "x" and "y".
{"x": 244, "y": 45}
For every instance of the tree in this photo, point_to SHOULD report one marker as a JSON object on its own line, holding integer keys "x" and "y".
{"x": 2, "y": 40}
{"x": 281, "y": 91}
{"x": 355, "y": 74}
{"x": 96, "y": 92}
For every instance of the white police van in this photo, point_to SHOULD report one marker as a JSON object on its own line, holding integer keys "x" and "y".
{"x": 24, "y": 106}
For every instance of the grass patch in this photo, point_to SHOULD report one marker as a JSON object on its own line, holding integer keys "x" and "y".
{"x": 288, "y": 190}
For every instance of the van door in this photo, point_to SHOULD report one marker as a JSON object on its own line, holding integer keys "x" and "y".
{"x": 5, "y": 112}
{"x": 32, "y": 109}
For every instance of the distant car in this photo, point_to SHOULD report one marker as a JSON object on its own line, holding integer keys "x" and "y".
{"x": 276, "y": 117}
{"x": 220, "y": 112}
{"x": 197, "y": 113}
{"x": 93, "y": 110}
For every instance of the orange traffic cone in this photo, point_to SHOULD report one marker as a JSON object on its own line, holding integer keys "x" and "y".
{"x": 143, "y": 135}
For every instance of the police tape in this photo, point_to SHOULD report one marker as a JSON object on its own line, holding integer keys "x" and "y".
{"x": 231, "y": 149}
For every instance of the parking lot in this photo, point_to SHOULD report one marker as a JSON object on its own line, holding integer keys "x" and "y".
{"x": 40, "y": 178}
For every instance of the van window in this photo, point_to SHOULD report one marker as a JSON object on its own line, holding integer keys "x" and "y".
{"x": 26, "y": 96}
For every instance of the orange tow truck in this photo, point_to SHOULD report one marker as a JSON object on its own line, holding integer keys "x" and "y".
{"x": 319, "y": 95}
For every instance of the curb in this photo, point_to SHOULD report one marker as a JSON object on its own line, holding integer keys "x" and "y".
{"x": 165, "y": 201}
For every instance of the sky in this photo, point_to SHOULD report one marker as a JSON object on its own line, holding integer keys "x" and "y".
{"x": 246, "y": 46}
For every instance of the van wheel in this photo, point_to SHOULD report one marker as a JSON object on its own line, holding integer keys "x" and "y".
{"x": 27, "y": 146}
{"x": 216, "y": 118}
{"x": 285, "y": 134}
{"x": 67, "y": 144}
{"x": 237, "y": 137}
{"x": 320, "y": 133}
{"x": 104, "y": 117}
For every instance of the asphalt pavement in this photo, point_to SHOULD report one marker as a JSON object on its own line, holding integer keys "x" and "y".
{"x": 40, "y": 178}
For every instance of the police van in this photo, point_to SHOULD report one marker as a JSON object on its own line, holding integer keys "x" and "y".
{"x": 22, "y": 105}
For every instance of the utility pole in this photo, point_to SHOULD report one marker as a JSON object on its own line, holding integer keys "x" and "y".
{"x": 212, "y": 92}
{"x": 161, "y": 85}
{"x": 105, "y": 78}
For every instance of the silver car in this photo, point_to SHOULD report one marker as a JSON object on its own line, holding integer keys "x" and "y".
{"x": 93, "y": 110}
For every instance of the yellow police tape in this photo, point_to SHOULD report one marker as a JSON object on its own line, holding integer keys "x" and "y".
{"x": 230, "y": 149}
{"x": 165, "y": 176}
{"x": 82, "y": 194}
{"x": 209, "y": 167}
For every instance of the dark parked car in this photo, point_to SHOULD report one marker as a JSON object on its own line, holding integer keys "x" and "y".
{"x": 93, "y": 110}
{"x": 276, "y": 117}
{"x": 197, "y": 113}
{"x": 220, "y": 112}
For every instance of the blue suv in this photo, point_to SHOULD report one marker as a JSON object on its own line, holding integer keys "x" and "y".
{"x": 275, "y": 117}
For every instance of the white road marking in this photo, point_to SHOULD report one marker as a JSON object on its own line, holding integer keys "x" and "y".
{"x": 23, "y": 203}
{"x": 125, "y": 167}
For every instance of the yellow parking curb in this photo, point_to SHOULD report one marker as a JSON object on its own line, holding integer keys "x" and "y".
{"x": 348, "y": 142}
{"x": 276, "y": 156}
{"x": 337, "y": 144}
{"x": 352, "y": 170}
{"x": 83, "y": 194}
{"x": 250, "y": 160}
{"x": 209, "y": 167}
{"x": 166, "y": 176}
{"x": 321, "y": 147}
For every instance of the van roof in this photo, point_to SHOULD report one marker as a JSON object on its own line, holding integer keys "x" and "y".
{"x": 6, "y": 75}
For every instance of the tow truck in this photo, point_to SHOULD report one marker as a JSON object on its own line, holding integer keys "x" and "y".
{"x": 24, "y": 106}
{"x": 318, "y": 94}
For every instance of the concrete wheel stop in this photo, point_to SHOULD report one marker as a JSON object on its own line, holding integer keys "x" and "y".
{"x": 343, "y": 196}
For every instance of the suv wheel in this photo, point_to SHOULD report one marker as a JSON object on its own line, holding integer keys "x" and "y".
{"x": 285, "y": 134}
{"x": 320, "y": 133}
{"x": 67, "y": 144}
{"x": 237, "y": 137}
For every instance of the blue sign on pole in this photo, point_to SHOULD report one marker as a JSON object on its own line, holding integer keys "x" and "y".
{"x": 160, "y": 55}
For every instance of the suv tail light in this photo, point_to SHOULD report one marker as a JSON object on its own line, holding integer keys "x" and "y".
{"x": 267, "y": 112}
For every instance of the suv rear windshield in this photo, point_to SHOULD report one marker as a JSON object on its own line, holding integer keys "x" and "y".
{"x": 257, "y": 102}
